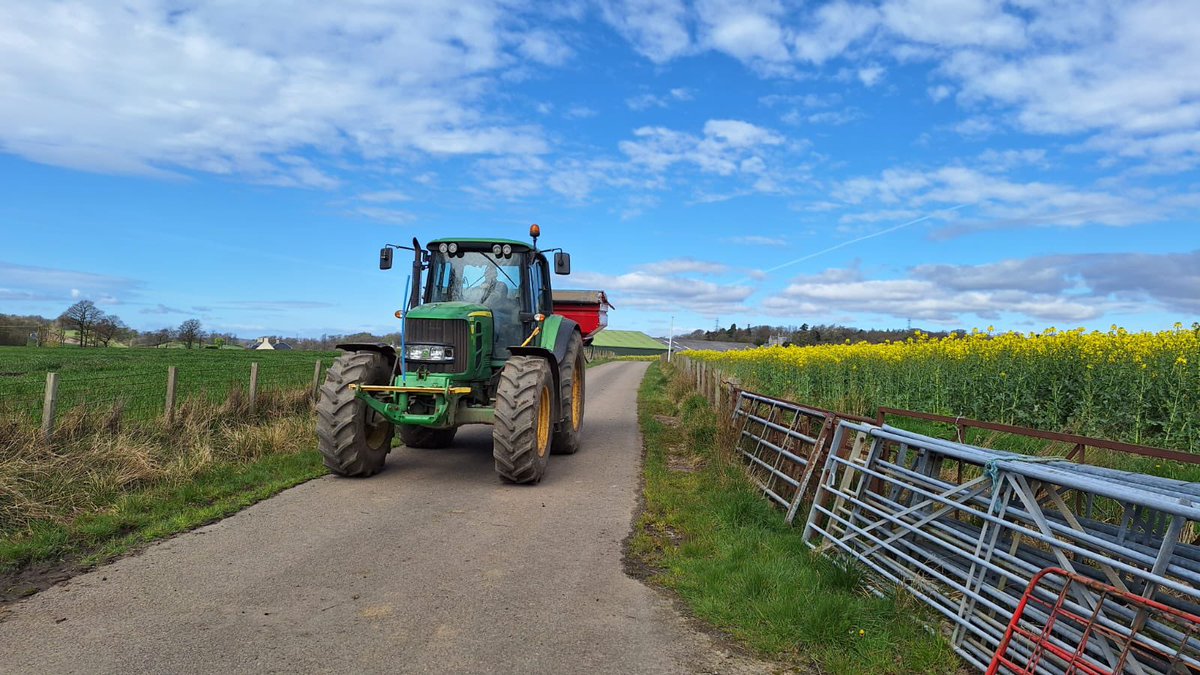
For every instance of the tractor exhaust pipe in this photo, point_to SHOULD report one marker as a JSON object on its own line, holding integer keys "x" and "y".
{"x": 417, "y": 267}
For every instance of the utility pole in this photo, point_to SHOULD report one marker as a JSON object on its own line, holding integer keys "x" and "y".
{"x": 671, "y": 339}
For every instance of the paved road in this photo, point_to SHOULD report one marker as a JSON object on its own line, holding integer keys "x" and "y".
{"x": 431, "y": 566}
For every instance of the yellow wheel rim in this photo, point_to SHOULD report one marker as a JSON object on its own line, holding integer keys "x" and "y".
{"x": 576, "y": 404}
{"x": 543, "y": 426}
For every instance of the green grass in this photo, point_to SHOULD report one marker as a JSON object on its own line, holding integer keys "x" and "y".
{"x": 726, "y": 551}
{"x": 155, "y": 512}
{"x": 599, "y": 360}
{"x": 137, "y": 378}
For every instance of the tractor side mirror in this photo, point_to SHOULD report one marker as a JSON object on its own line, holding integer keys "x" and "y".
{"x": 562, "y": 263}
{"x": 385, "y": 258}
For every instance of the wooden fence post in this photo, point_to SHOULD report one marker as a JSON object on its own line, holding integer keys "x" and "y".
{"x": 172, "y": 380}
{"x": 49, "y": 405}
{"x": 316, "y": 385}
{"x": 254, "y": 388}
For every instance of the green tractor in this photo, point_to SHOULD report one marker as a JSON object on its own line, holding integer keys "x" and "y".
{"x": 480, "y": 344}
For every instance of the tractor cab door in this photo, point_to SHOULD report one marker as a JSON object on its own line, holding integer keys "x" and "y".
{"x": 537, "y": 297}
{"x": 540, "y": 301}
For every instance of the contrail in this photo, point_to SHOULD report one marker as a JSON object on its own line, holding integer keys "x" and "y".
{"x": 844, "y": 244}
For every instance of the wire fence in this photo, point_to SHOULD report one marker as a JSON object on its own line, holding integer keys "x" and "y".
{"x": 138, "y": 382}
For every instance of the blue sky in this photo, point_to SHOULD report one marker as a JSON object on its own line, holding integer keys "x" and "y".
{"x": 956, "y": 163}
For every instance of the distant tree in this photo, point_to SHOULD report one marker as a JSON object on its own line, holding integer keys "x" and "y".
{"x": 219, "y": 342}
{"x": 189, "y": 332}
{"x": 161, "y": 336}
{"x": 82, "y": 317}
{"x": 58, "y": 333}
{"x": 108, "y": 327}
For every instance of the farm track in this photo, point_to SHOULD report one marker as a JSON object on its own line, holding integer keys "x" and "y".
{"x": 431, "y": 566}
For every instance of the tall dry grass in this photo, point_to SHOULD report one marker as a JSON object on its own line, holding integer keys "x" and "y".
{"x": 97, "y": 455}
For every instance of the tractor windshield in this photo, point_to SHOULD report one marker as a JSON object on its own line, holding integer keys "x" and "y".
{"x": 475, "y": 276}
{"x": 485, "y": 279}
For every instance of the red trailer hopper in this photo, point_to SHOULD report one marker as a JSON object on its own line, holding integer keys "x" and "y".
{"x": 589, "y": 309}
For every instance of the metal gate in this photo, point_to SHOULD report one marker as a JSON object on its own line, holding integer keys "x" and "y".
{"x": 1114, "y": 632}
{"x": 965, "y": 529}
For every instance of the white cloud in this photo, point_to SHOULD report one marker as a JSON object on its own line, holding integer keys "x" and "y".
{"x": 836, "y": 26}
{"x": 939, "y": 93}
{"x": 383, "y": 215}
{"x": 834, "y": 117}
{"x": 656, "y": 28}
{"x": 871, "y": 75}
{"x": 721, "y": 150}
{"x": 747, "y": 31}
{"x": 995, "y": 201}
{"x": 1003, "y": 160}
{"x": 666, "y": 290}
{"x": 1124, "y": 72}
{"x": 579, "y": 112}
{"x": 758, "y": 240}
{"x": 384, "y": 197}
{"x": 954, "y": 23}
{"x": 678, "y": 266}
{"x": 739, "y": 134}
{"x": 543, "y": 46}
{"x": 48, "y": 284}
{"x": 1121, "y": 72}
{"x": 646, "y": 101}
{"x": 975, "y": 127}
{"x": 1057, "y": 288}
{"x": 142, "y": 87}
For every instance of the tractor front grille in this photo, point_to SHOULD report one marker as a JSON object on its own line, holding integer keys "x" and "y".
{"x": 450, "y": 332}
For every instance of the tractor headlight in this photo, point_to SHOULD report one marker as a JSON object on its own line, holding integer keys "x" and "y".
{"x": 496, "y": 250}
{"x": 507, "y": 250}
{"x": 453, "y": 248}
{"x": 433, "y": 353}
{"x": 443, "y": 248}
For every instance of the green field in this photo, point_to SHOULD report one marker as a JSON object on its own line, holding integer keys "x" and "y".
{"x": 137, "y": 378}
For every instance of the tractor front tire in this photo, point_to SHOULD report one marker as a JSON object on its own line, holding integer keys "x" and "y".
{"x": 524, "y": 419}
{"x": 353, "y": 439}
{"x": 426, "y": 438}
{"x": 571, "y": 391}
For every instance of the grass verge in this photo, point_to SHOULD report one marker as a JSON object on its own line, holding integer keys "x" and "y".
{"x": 707, "y": 535}
{"x": 105, "y": 487}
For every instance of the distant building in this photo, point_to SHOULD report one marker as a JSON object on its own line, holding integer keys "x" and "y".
{"x": 626, "y": 343}
{"x": 266, "y": 343}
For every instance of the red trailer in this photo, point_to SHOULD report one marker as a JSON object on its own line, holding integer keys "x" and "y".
{"x": 589, "y": 309}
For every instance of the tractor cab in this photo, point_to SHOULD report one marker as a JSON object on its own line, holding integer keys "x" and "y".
{"x": 509, "y": 278}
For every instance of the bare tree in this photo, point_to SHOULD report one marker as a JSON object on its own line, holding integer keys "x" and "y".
{"x": 83, "y": 317}
{"x": 160, "y": 336}
{"x": 190, "y": 333}
{"x": 109, "y": 327}
{"x": 58, "y": 333}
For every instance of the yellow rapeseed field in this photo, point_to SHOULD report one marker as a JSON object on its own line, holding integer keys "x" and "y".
{"x": 1140, "y": 387}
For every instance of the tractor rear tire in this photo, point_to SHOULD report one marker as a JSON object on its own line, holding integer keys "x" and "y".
{"x": 353, "y": 439}
{"x": 524, "y": 419}
{"x": 571, "y": 389}
{"x": 426, "y": 438}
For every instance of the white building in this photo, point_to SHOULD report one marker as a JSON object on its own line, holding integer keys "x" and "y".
{"x": 266, "y": 343}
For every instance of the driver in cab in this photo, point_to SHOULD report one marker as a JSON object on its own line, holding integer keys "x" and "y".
{"x": 498, "y": 297}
